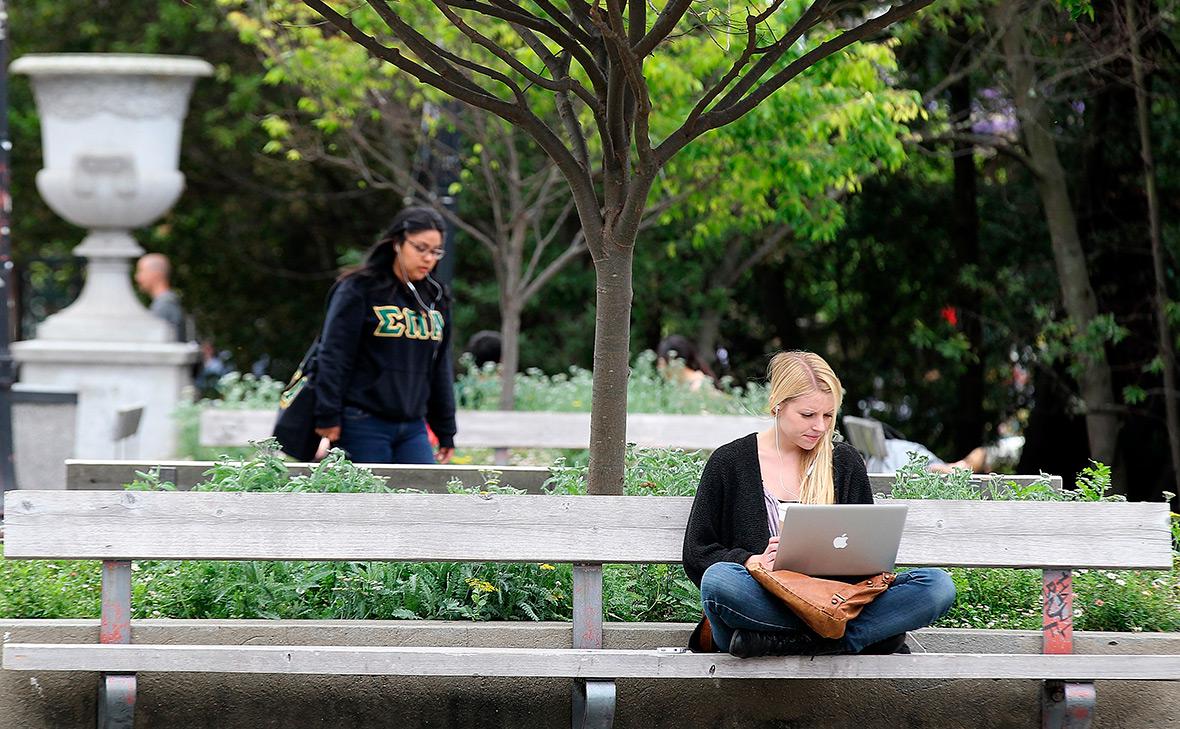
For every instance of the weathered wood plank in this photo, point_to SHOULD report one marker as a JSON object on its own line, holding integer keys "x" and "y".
{"x": 517, "y": 429}
{"x": 610, "y": 529}
{"x": 112, "y": 475}
{"x": 574, "y": 663}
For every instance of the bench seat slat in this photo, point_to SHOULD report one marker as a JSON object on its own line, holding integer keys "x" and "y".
{"x": 607, "y": 529}
{"x": 576, "y": 663}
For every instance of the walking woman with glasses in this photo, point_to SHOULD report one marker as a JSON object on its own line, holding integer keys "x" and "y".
{"x": 384, "y": 364}
{"x": 734, "y": 523}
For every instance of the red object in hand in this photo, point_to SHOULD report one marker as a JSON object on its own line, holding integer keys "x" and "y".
{"x": 431, "y": 437}
{"x": 951, "y": 315}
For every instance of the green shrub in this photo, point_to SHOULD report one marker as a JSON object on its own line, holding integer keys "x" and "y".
{"x": 235, "y": 391}
{"x": 1004, "y": 598}
{"x": 648, "y": 391}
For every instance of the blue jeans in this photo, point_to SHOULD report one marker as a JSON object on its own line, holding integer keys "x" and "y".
{"x": 733, "y": 600}
{"x": 370, "y": 439}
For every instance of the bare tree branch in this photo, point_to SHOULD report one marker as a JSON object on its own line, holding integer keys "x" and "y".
{"x": 720, "y": 117}
{"x": 999, "y": 143}
{"x": 636, "y": 23}
{"x": 807, "y": 20}
{"x": 635, "y": 110}
{"x": 565, "y": 108}
{"x": 437, "y": 57}
{"x": 543, "y": 241}
{"x": 452, "y": 83}
{"x": 665, "y": 23}
{"x": 768, "y": 246}
{"x": 567, "y": 23}
{"x": 770, "y": 54}
{"x": 578, "y": 176}
{"x": 556, "y": 84}
{"x": 576, "y": 248}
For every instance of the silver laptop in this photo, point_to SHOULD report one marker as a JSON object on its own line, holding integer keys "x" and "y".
{"x": 840, "y": 539}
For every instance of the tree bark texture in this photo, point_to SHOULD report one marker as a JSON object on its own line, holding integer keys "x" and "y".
{"x": 1081, "y": 306}
{"x": 509, "y": 356}
{"x": 1167, "y": 351}
{"x": 612, "y": 361}
{"x": 969, "y": 422}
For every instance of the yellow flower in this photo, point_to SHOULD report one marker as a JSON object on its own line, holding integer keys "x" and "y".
{"x": 548, "y": 567}
{"x": 479, "y": 585}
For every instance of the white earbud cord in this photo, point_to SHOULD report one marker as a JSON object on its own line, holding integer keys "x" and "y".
{"x": 428, "y": 309}
{"x": 414, "y": 290}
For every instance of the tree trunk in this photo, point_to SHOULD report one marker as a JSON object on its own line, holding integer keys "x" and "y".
{"x": 509, "y": 354}
{"x": 969, "y": 421}
{"x": 1081, "y": 306}
{"x": 708, "y": 330}
{"x": 612, "y": 355}
{"x": 1167, "y": 352}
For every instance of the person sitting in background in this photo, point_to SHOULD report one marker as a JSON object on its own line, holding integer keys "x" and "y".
{"x": 692, "y": 370}
{"x": 887, "y": 450}
{"x": 484, "y": 347}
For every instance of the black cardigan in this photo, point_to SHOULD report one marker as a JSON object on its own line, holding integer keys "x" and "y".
{"x": 728, "y": 519}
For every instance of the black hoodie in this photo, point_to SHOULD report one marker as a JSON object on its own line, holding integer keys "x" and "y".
{"x": 382, "y": 353}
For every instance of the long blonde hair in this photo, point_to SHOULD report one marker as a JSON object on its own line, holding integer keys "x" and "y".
{"x": 794, "y": 374}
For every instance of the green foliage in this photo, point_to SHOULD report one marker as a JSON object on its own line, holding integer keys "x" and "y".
{"x": 648, "y": 390}
{"x": 913, "y": 481}
{"x": 1122, "y": 600}
{"x": 648, "y": 472}
{"x": 1076, "y": 344}
{"x": 233, "y": 390}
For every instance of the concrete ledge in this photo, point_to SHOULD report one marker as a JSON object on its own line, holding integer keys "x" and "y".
{"x": 193, "y": 701}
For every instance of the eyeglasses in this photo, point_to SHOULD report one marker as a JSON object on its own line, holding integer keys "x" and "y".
{"x": 436, "y": 253}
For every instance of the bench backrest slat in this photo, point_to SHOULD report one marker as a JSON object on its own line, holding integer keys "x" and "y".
{"x": 89, "y": 475}
{"x": 608, "y": 529}
{"x": 517, "y": 428}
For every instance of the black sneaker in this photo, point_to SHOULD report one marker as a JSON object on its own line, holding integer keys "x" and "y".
{"x": 753, "y": 643}
{"x": 892, "y": 644}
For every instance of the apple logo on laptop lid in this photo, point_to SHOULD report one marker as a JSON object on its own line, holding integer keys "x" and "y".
{"x": 841, "y": 541}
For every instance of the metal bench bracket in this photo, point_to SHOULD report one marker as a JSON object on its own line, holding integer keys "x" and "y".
{"x": 1063, "y": 705}
{"x": 116, "y": 691}
{"x": 1067, "y": 705}
{"x": 116, "y": 701}
{"x": 593, "y": 701}
{"x": 594, "y": 704}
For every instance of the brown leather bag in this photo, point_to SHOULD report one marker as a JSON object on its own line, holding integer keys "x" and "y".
{"x": 701, "y": 640}
{"x": 825, "y": 605}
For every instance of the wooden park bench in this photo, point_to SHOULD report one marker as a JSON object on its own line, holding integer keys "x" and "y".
{"x": 504, "y": 429}
{"x": 587, "y": 531}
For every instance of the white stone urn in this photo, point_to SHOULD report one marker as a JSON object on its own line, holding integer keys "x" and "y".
{"x": 110, "y": 131}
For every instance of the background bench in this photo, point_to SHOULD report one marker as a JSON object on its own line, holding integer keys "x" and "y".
{"x": 108, "y": 475}
{"x": 586, "y": 531}
{"x": 500, "y": 429}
